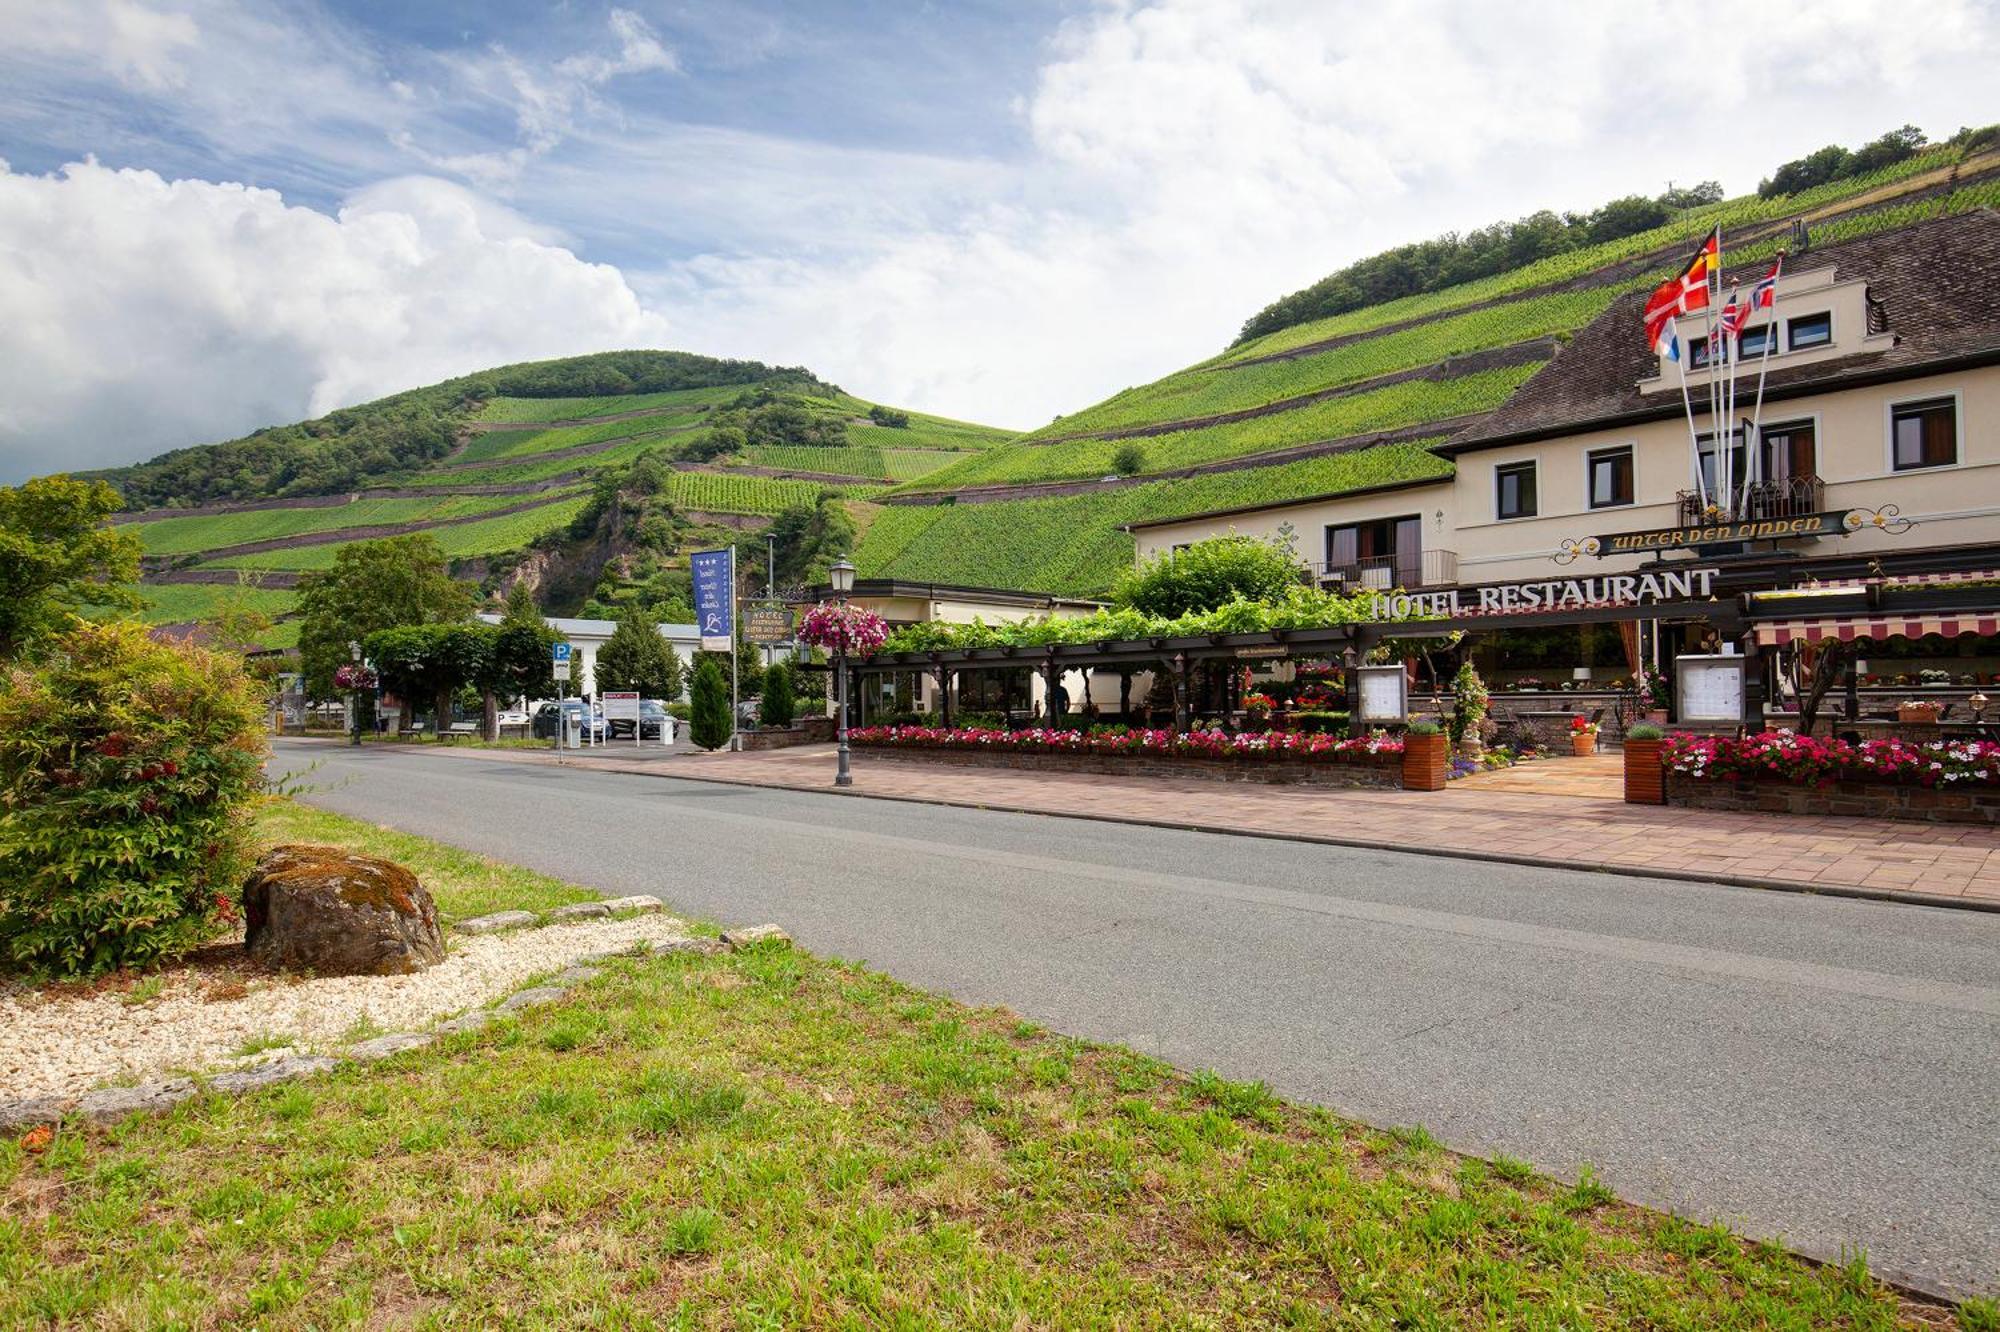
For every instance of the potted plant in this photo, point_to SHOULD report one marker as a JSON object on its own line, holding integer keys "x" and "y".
{"x": 1582, "y": 736}
{"x": 1649, "y": 689}
{"x": 1426, "y": 751}
{"x": 1923, "y": 712}
{"x": 1257, "y": 707}
{"x": 1645, "y": 777}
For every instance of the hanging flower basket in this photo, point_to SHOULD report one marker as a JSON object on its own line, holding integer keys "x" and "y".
{"x": 839, "y": 627}
{"x": 353, "y": 677}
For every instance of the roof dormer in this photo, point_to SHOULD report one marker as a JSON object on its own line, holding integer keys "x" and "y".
{"x": 1816, "y": 317}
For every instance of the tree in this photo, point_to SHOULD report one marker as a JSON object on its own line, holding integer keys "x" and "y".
{"x": 809, "y": 539}
{"x": 523, "y": 650}
{"x": 57, "y": 556}
{"x": 1209, "y": 574}
{"x": 709, "y": 721}
{"x": 434, "y": 661}
{"x": 373, "y": 585}
{"x": 778, "y": 706}
{"x": 637, "y": 657}
{"x": 1129, "y": 460}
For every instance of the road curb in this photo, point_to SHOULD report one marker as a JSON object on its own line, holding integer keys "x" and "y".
{"x": 1854, "y": 892}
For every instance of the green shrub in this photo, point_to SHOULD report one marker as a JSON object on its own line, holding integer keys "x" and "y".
{"x": 708, "y": 721}
{"x": 127, "y": 768}
{"x": 1425, "y": 728}
{"x": 777, "y": 708}
{"x": 679, "y": 711}
{"x": 1643, "y": 731}
{"x": 1320, "y": 723}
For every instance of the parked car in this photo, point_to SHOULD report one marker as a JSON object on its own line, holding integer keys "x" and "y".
{"x": 577, "y": 713}
{"x": 652, "y": 715}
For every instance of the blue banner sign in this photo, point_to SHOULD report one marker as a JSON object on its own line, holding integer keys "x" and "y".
{"x": 714, "y": 597}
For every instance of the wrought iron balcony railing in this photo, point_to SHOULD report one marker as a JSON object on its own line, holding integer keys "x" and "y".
{"x": 1793, "y": 497}
{"x": 1429, "y": 568}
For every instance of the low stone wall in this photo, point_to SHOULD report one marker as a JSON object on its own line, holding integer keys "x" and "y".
{"x": 1859, "y": 800}
{"x": 811, "y": 731}
{"x": 1378, "y": 771}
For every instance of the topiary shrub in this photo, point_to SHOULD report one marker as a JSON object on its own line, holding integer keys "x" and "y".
{"x": 127, "y": 770}
{"x": 777, "y": 708}
{"x": 708, "y": 718}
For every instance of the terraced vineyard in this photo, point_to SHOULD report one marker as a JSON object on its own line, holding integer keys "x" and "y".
{"x": 183, "y": 536}
{"x": 718, "y": 492}
{"x": 1072, "y": 545}
{"x": 569, "y": 409}
{"x": 527, "y": 443}
{"x": 491, "y": 536}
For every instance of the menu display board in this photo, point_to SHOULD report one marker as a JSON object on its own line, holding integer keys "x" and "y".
{"x": 1709, "y": 688}
{"x": 1384, "y": 694}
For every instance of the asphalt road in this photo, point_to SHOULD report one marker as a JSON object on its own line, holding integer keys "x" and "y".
{"x": 1822, "y": 1071}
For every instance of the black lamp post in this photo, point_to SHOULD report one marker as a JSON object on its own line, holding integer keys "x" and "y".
{"x": 354, "y": 695}
{"x": 841, "y": 576}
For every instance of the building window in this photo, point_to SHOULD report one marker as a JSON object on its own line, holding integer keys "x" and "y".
{"x": 1697, "y": 353}
{"x": 1753, "y": 341}
{"x": 1790, "y": 451}
{"x": 1923, "y": 434}
{"x": 1514, "y": 490}
{"x": 1809, "y": 331}
{"x": 1387, "y": 552}
{"x": 1711, "y": 475}
{"x": 1610, "y": 473}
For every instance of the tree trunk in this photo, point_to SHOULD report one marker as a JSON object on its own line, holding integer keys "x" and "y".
{"x": 443, "y": 720}
{"x": 489, "y": 716}
{"x": 1833, "y": 658}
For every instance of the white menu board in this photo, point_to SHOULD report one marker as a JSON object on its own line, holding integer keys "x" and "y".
{"x": 1709, "y": 688}
{"x": 1384, "y": 694}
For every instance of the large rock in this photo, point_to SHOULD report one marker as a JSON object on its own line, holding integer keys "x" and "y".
{"x": 333, "y": 913}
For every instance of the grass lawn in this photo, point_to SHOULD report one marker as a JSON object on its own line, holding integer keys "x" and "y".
{"x": 462, "y": 883}
{"x": 766, "y": 1140}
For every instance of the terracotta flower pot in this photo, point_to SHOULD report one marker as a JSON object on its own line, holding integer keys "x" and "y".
{"x": 1921, "y": 713}
{"x": 1425, "y": 761}
{"x": 1583, "y": 744}
{"x": 1645, "y": 776}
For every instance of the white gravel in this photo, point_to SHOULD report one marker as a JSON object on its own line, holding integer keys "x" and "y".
{"x": 66, "y": 1045}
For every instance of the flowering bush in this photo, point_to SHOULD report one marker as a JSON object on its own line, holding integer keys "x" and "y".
{"x": 1803, "y": 760}
{"x": 1259, "y": 702}
{"x": 1650, "y": 687}
{"x": 1249, "y": 747}
{"x": 1582, "y": 726}
{"x": 352, "y": 676}
{"x": 839, "y": 627}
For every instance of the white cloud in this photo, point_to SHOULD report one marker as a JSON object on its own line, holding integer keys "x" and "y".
{"x": 145, "y": 313}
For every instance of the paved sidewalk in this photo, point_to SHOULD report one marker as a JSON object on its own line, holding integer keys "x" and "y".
{"x": 1942, "y": 864}
{"x": 1539, "y": 814}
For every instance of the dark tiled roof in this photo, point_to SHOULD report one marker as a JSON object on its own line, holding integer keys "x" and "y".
{"x": 1938, "y": 283}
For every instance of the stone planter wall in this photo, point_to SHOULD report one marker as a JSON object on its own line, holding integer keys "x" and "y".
{"x": 1379, "y": 771}
{"x": 1860, "y": 800}
{"x": 811, "y": 731}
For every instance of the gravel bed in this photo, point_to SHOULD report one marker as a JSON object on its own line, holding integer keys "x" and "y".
{"x": 63, "y": 1044}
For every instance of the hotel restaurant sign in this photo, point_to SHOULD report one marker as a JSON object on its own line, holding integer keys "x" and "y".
{"x": 1551, "y": 594}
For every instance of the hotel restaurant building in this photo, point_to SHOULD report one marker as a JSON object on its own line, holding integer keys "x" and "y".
{"x": 1875, "y": 517}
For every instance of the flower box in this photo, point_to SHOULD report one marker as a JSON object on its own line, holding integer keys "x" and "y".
{"x": 1426, "y": 765}
{"x": 1923, "y": 714}
{"x": 1645, "y": 775}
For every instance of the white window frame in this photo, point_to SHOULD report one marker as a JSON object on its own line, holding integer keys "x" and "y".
{"x": 1832, "y": 332}
{"x": 1534, "y": 462}
{"x": 1631, "y": 446}
{"x": 1889, "y": 407}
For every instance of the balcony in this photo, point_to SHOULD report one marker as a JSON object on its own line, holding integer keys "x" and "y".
{"x": 1793, "y": 497}
{"x": 1430, "y": 568}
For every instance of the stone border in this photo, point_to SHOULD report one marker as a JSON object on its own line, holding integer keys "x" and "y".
{"x": 109, "y": 1104}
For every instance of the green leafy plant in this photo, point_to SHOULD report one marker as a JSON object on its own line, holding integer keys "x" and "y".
{"x": 778, "y": 705}
{"x": 1644, "y": 731}
{"x": 1473, "y": 701}
{"x": 708, "y": 721}
{"x": 127, "y": 771}
{"x": 1425, "y": 728}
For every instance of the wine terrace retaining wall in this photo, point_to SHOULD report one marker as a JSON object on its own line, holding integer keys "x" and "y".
{"x": 1858, "y": 800}
{"x": 1376, "y": 771}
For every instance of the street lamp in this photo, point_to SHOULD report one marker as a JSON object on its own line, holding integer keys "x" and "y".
{"x": 841, "y": 577}
{"x": 354, "y": 696}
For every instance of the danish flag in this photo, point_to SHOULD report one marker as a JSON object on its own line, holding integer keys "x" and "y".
{"x": 1679, "y": 296}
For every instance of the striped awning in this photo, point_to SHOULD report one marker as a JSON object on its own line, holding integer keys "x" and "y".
{"x": 1846, "y": 629}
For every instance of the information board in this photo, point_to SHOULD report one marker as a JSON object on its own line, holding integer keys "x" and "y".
{"x": 1708, "y": 688}
{"x": 620, "y": 705}
{"x": 767, "y": 623}
{"x": 714, "y": 597}
{"x": 1384, "y": 694}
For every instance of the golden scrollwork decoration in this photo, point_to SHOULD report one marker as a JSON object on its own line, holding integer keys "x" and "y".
{"x": 1889, "y": 518}
{"x": 1570, "y": 551}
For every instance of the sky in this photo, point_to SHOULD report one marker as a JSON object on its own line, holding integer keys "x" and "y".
{"x": 222, "y": 214}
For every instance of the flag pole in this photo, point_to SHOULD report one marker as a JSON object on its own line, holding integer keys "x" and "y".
{"x": 1770, "y": 340}
{"x": 1717, "y": 426}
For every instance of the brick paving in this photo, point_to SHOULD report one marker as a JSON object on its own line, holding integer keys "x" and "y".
{"x": 1568, "y": 812}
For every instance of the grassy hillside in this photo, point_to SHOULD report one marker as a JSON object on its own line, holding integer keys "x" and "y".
{"x": 1400, "y": 364}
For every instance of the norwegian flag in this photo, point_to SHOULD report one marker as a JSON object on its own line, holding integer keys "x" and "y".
{"x": 1765, "y": 294}
{"x": 1679, "y": 296}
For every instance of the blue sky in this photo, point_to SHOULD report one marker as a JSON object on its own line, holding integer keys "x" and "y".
{"x": 218, "y": 214}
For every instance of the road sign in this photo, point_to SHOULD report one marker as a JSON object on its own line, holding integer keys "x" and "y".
{"x": 714, "y": 574}
{"x": 559, "y": 659}
{"x": 767, "y": 624}
{"x": 561, "y": 651}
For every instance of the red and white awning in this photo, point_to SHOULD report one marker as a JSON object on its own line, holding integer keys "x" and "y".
{"x": 1777, "y": 633}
